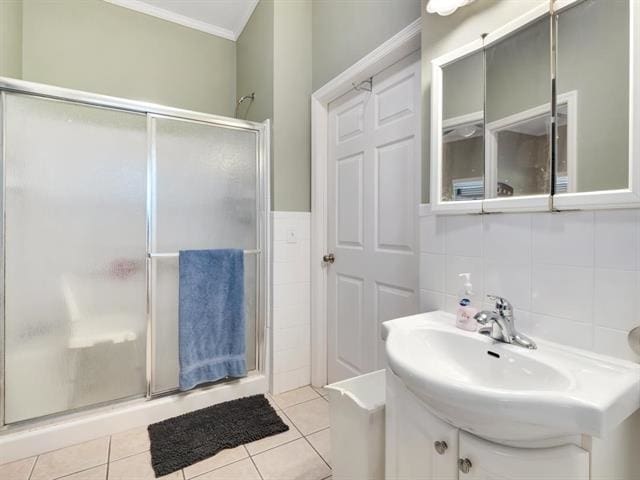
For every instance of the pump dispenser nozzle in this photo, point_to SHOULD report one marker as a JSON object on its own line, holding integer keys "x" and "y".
{"x": 468, "y": 287}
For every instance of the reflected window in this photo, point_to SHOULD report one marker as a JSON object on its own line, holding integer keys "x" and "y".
{"x": 518, "y": 113}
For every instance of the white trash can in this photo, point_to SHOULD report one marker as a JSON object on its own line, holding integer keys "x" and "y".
{"x": 356, "y": 410}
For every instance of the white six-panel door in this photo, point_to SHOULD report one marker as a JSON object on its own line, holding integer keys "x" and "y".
{"x": 373, "y": 197}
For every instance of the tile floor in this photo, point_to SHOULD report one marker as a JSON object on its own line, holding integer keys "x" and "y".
{"x": 302, "y": 453}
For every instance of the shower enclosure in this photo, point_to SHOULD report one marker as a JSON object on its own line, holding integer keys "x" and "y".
{"x": 98, "y": 196}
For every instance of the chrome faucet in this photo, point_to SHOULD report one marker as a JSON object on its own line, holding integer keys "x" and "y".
{"x": 499, "y": 324}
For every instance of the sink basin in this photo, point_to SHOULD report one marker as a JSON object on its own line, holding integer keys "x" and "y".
{"x": 505, "y": 393}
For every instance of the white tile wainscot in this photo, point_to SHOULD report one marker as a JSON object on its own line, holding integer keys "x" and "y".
{"x": 573, "y": 277}
{"x": 291, "y": 300}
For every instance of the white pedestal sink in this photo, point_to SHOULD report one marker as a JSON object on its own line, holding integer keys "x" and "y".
{"x": 505, "y": 393}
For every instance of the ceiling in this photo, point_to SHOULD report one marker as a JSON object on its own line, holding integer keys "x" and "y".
{"x": 223, "y": 18}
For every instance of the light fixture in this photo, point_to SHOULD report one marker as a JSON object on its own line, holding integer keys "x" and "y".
{"x": 446, "y": 7}
{"x": 466, "y": 131}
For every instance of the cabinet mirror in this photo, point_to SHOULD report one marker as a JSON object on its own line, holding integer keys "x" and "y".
{"x": 463, "y": 129}
{"x": 593, "y": 98}
{"x": 518, "y": 115}
{"x": 543, "y": 113}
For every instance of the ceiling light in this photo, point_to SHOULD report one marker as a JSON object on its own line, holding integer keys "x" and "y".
{"x": 446, "y": 7}
{"x": 466, "y": 131}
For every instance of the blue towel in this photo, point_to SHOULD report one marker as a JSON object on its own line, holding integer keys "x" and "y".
{"x": 212, "y": 316}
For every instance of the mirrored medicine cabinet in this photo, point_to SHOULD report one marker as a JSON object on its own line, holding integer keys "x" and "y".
{"x": 542, "y": 114}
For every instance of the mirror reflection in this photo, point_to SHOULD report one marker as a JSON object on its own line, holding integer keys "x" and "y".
{"x": 593, "y": 96}
{"x": 463, "y": 129}
{"x": 518, "y": 113}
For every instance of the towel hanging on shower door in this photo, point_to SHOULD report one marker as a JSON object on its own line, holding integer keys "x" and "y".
{"x": 211, "y": 316}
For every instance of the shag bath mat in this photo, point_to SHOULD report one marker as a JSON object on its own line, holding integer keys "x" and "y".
{"x": 182, "y": 441}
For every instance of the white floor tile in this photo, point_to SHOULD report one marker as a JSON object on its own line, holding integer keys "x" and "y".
{"x": 221, "y": 459}
{"x": 275, "y": 440}
{"x": 129, "y": 443}
{"x": 295, "y": 460}
{"x": 294, "y": 397}
{"x": 95, "y": 473}
{"x": 18, "y": 470}
{"x": 71, "y": 459}
{"x": 309, "y": 417}
{"x": 137, "y": 467}
{"x": 242, "y": 470}
{"x": 321, "y": 441}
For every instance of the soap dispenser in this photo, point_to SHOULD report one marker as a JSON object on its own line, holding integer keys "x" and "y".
{"x": 466, "y": 305}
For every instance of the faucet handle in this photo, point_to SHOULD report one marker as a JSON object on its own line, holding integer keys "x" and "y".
{"x": 503, "y": 306}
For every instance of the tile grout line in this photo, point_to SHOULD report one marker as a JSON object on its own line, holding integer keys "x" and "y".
{"x": 280, "y": 445}
{"x": 217, "y": 468}
{"x": 80, "y": 471}
{"x": 256, "y": 467}
{"x": 57, "y": 450}
{"x": 33, "y": 467}
{"x": 299, "y": 403}
{"x": 129, "y": 455}
{"x": 108, "y": 457}
{"x": 317, "y": 452}
{"x": 310, "y": 433}
{"x": 273, "y": 448}
{"x": 314, "y": 448}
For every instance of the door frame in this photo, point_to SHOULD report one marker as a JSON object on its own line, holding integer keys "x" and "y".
{"x": 405, "y": 42}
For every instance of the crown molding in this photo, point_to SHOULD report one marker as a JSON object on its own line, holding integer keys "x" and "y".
{"x": 147, "y": 9}
{"x": 244, "y": 19}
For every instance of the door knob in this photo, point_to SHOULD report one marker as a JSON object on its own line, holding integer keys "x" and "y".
{"x": 464, "y": 465}
{"x": 329, "y": 258}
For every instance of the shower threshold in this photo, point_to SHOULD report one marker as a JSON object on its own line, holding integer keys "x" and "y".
{"x": 51, "y": 433}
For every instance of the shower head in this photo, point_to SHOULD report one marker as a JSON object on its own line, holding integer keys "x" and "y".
{"x": 251, "y": 97}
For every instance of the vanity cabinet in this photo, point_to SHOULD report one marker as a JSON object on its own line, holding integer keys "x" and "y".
{"x": 411, "y": 436}
{"x": 489, "y": 461}
{"x": 420, "y": 446}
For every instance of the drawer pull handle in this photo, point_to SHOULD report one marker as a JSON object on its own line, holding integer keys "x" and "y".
{"x": 464, "y": 465}
{"x": 441, "y": 447}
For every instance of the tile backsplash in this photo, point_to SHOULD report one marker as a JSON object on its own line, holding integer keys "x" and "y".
{"x": 573, "y": 277}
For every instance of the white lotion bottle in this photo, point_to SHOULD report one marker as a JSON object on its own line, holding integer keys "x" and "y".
{"x": 466, "y": 309}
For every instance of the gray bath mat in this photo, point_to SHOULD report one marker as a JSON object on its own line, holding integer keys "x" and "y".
{"x": 182, "y": 441}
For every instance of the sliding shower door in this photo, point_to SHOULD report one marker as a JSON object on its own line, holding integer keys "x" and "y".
{"x": 204, "y": 195}
{"x": 75, "y": 249}
{"x": 99, "y": 195}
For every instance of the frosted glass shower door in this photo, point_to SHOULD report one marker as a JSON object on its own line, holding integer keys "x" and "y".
{"x": 204, "y": 197}
{"x": 75, "y": 289}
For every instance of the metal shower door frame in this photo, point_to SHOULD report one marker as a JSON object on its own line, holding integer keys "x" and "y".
{"x": 152, "y": 111}
{"x": 260, "y": 247}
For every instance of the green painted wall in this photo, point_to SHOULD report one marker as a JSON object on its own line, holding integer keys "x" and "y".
{"x": 344, "y": 31}
{"x": 254, "y": 61}
{"x": 99, "y": 47}
{"x": 292, "y": 106}
{"x": 11, "y": 38}
{"x": 273, "y": 58}
{"x": 288, "y": 49}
